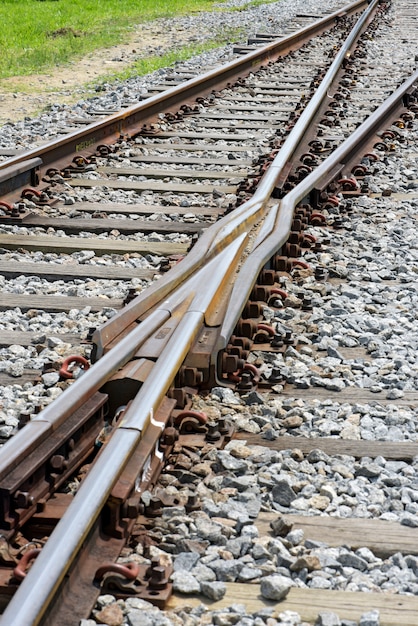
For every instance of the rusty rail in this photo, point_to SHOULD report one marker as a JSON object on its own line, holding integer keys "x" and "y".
{"x": 220, "y": 234}
{"x": 131, "y": 120}
{"x": 222, "y": 249}
{"x": 70, "y": 534}
{"x": 278, "y": 227}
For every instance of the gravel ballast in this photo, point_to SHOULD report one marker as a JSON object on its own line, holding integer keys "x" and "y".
{"x": 366, "y": 303}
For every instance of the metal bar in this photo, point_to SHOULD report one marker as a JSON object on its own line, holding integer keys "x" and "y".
{"x": 37, "y": 590}
{"x": 85, "y": 140}
{"x": 277, "y": 231}
{"x": 216, "y": 236}
{"x": 269, "y": 180}
{"x": 75, "y": 396}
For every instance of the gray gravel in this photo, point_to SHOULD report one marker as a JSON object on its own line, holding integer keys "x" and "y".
{"x": 274, "y": 17}
{"x": 366, "y": 304}
{"x": 28, "y": 133}
{"x": 372, "y": 310}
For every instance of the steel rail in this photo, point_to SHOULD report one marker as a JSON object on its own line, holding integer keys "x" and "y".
{"x": 37, "y": 590}
{"x": 131, "y": 119}
{"x": 76, "y": 394}
{"x": 228, "y": 226}
{"x": 32, "y": 599}
{"x": 277, "y": 230}
{"x": 52, "y": 416}
{"x": 223, "y": 232}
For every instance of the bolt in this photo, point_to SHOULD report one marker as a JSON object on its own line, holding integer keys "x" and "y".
{"x": 164, "y": 265}
{"x": 155, "y": 562}
{"x": 213, "y": 433}
{"x": 23, "y": 499}
{"x": 277, "y": 341}
{"x": 307, "y": 303}
{"x": 276, "y": 376}
{"x": 154, "y": 507}
{"x": 130, "y": 295}
{"x": 24, "y": 418}
{"x": 288, "y": 340}
{"x": 169, "y": 436}
{"x": 130, "y": 508}
{"x": 320, "y": 273}
{"x": 229, "y": 363}
{"x": 90, "y": 333}
{"x": 222, "y": 425}
{"x": 158, "y": 579}
{"x": 276, "y": 303}
{"x": 58, "y": 463}
{"x": 246, "y": 382}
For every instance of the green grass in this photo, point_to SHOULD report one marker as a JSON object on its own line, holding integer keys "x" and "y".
{"x": 149, "y": 64}
{"x": 39, "y": 34}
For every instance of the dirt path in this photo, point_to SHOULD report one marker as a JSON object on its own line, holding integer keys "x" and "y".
{"x": 26, "y": 96}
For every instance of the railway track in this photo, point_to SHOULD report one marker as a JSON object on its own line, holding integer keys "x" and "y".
{"x": 75, "y": 269}
{"x": 63, "y": 254}
{"x": 253, "y": 327}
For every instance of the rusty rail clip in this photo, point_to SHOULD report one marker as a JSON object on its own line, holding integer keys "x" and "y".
{"x": 148, "y": 582}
